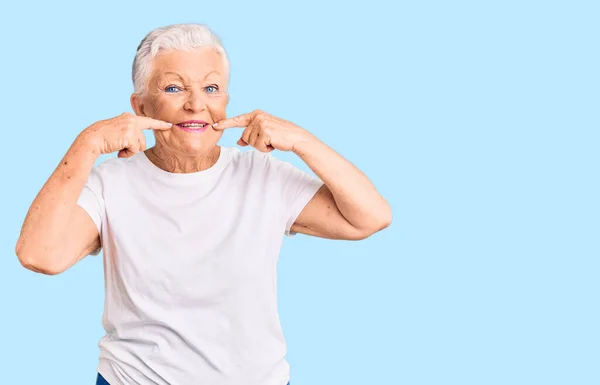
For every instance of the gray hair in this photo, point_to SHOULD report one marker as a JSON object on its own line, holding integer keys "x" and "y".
{"x": 176, "y": 37}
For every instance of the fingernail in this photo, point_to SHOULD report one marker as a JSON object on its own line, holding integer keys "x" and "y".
{"x": 215, "y": 124}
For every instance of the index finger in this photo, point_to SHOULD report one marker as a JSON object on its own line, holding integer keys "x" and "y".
{"x": 238, "y": 121}
{"x": 146, "y": 123}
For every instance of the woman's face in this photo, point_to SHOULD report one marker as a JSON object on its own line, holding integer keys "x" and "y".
{"x": 186, "y": 87}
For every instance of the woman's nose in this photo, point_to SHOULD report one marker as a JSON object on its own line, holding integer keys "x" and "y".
{"x": 195, "y": 102}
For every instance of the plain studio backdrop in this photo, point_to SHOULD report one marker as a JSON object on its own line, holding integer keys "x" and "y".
{"x": 477, "y": 120}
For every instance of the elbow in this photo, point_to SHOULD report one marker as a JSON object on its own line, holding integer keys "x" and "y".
{"x": 386, "y": 219}
{"x": 383, "y": 221}
{"x": 31, "y": 260}
{"x": 37, "y": 266}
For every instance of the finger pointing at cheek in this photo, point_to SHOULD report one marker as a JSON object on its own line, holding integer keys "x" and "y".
{"x": 265, "y": 132}
{"x": 238, "y": 121}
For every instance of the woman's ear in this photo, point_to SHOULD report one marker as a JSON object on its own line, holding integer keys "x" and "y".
{"x": 136, "y": 104}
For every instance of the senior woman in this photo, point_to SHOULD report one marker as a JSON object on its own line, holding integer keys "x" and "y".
{"x": 191, "y": 231}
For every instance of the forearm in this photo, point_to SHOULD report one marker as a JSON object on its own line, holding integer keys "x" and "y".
{"x": 47, "y": 219}
{"x": 355, "y": 196}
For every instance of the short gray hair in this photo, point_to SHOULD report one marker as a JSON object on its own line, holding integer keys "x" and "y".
{"x": 175, "y": 37}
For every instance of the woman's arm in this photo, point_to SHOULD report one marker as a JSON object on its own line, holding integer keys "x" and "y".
{"x": 57, "y": 232}
{"x": 348, "y": 206}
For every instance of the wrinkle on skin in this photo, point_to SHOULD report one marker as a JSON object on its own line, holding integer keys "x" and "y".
{"x": 182, "y": 87}
{"x": 170, "y": 163}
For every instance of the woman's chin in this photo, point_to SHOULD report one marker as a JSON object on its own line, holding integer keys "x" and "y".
{"x": 195, "y": 147}
{"x": 188, "y": 143}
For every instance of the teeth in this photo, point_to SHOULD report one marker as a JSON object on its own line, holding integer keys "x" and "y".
{"x": 192, "y": 125}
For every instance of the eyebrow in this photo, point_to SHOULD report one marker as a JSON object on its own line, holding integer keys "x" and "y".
{"x": 173, "y": 73}
{"x": 210, "y": 73}
{"x": 180, "y": 77}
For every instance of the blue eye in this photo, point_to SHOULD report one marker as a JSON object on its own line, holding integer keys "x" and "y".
{"x": 215, "y": 89}
{"x": 171, "y": 88}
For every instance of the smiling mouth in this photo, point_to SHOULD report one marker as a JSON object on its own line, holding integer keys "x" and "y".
{"x": 193, "y": 126}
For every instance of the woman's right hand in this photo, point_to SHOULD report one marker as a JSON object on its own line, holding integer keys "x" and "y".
{"x": 123, "y": 133}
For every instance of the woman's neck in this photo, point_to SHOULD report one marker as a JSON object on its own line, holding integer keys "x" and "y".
{"x": 182, "y": 163}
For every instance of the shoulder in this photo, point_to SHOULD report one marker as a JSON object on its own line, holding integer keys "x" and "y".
{"x": 113, "y": 164}
{"x": 113, "y": 168}
{"x": 256, "y": 161}
{"x": 276, "y": 173}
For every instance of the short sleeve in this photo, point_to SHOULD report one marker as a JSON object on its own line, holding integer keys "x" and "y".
{"x": 92, "y": 202}
{"x": 297, "y": 188}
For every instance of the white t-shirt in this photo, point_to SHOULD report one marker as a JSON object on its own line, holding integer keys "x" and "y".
{"x": 190, "y": 268}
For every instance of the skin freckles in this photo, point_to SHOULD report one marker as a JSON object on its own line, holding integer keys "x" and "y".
{"x": 185, "y": 86}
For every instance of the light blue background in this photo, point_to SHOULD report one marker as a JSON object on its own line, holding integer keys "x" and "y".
{"x": 477, "y": 120}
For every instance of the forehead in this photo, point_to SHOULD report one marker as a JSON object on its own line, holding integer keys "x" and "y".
{"x": 190, "y": 65}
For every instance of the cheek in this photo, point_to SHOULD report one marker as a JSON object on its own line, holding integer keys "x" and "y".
{"x": 163, "y": 105}
{"x": 218, "y": 110}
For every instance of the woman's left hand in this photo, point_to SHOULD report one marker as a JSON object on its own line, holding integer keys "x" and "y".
{"x": 266, "y": 132}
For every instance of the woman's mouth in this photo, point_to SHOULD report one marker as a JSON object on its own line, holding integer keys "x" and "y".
{"x": 193, "y": 126}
